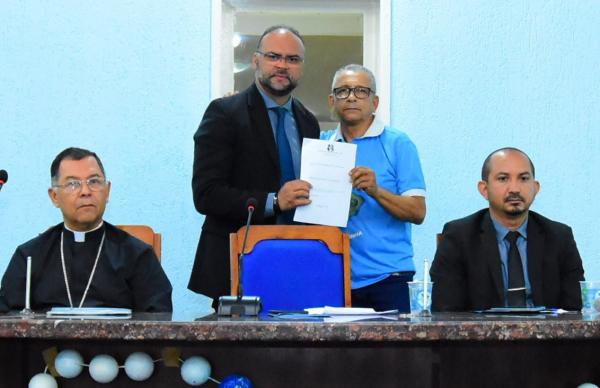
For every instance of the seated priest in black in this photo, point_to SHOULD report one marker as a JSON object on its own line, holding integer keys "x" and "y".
{"x": 506, "y": 255}
{"x": 85, "y": 261}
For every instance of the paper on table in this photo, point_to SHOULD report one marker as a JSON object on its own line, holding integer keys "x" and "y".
{"x": 514, "y": 310}
{"x": 353, "y": 318}
{"x": 325, "y": 165}
{"x": 328, "y": 310}
{"x": 89, "y": 313}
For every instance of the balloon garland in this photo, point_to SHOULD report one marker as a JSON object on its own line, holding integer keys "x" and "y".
{"x": 138, "y": 366}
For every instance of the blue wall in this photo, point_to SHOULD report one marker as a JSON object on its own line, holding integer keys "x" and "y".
{"x": 474, "y": 76}
{"x": 130, "y": 80}
{"x": 127, "y": 79}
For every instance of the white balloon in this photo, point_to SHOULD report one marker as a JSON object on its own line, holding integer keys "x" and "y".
{"x": 195, "y": 370}
{"x": 587, "y": 385}
{"x": 139, "y": 366}
{"x": 68, "y": 363}
{"x": 104, "y": 368}
{"x": 42, "y": 380}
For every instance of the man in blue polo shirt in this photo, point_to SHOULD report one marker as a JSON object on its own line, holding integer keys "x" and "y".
{"x": 388, "y": 194}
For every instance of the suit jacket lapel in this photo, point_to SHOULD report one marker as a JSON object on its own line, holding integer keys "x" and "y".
{"x": 261, "y": 122}
{"x": 535, "y": 255}
{"x": 490, "y": 252}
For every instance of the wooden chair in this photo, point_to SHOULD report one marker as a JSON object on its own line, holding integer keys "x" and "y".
{"x": 292, "y": 267}
{"x": 146, "y": 234}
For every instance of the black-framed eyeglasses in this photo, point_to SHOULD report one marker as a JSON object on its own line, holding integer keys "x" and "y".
{"x": 360, "y": 92}
{"x": 274, "y": 58}
{"x": 75, "y": 185}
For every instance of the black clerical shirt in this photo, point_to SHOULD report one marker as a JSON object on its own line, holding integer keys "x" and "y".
{"x": 128, "y": 273}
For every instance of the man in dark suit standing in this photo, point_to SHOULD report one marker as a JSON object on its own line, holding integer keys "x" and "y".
{"x": 507, "y": 255}
{"x": 248, "y": 146}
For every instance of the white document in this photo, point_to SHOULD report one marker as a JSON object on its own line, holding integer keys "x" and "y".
{"x": 354, "y": 318}
{"x": 355, "y": 311}
{"x": 325, "y": 165}
{"x": 89, "y": 312}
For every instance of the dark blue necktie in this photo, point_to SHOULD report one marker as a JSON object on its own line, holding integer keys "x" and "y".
{"x": 286, "y": 162}
{"x": 516, "y": 279}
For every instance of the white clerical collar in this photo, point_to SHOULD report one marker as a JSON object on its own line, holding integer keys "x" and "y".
{"x": 374, "y": 130}
{"x": 80, "y": 236}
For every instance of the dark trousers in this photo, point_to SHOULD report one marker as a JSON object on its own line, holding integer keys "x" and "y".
{"x": 390, "y": 293}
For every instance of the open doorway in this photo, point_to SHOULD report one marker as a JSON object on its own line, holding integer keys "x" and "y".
{"x": 336, "y": 32}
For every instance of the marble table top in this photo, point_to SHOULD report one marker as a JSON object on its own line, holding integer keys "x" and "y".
{"x": 400, "y": 328}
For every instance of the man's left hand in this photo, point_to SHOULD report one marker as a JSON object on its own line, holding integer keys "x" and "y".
{"x": 363, "y": 178}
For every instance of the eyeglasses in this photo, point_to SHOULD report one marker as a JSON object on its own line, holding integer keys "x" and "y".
{"x": 75, "y": 185}
{"x": 360, "y": 92}
{"x": 274, "y": 58}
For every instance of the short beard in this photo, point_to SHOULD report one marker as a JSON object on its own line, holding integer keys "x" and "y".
{"x": 515, "y": 212}
{"x": 264, "y": 82}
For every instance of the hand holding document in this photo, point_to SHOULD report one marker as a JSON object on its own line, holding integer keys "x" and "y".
{"x": 326, "y": 165}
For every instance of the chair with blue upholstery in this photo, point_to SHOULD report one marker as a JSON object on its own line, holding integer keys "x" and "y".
{"x": 292, "y": 267}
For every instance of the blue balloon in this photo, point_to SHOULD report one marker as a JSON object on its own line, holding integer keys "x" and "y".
{"x": 236, "y": 381}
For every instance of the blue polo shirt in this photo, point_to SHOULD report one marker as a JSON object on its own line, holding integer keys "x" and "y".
{"x": 380, "y": 243}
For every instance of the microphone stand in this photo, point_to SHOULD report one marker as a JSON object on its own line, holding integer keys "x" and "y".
{"x": 27, "y": 312}
{"x": 241, "y": 305}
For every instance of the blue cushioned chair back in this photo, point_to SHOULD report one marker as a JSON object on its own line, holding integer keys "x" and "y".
{"x": 294, "y": 274}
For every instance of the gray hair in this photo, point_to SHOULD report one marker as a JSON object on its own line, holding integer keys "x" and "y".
{"x": 357, "y": 69}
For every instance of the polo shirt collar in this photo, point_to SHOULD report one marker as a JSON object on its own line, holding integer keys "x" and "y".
{"x": 374, "y": 130}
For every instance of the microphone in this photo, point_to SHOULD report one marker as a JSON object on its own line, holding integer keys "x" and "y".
{"x": 241, "y": 305}
{"x": 3, "y": 178}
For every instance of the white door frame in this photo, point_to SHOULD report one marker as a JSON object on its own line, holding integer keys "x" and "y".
{"x": 376, "y": 38}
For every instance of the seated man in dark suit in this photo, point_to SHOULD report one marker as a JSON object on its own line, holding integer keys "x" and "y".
{"x": 84, "y": 261}
{"x": 506, "y": 255}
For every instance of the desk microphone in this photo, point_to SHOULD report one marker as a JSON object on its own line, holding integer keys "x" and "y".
{"x": 3, "y": 178}
{"x": 240, "y": 304}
